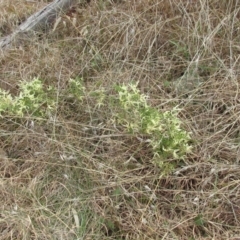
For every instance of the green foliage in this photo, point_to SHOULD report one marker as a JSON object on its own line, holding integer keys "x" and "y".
{"x": 76, "y": 88}
{"x": 199, "y": 221}
{"x": 180, "y": 48}
{"x": 100, "y": 96}
{"x": 6, "y": 101}
{"x": 32, "y": 99}
{"x": 166, "y": 137}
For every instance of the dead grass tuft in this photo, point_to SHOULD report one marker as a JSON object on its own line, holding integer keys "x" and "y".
{"x": 76, "y": 175}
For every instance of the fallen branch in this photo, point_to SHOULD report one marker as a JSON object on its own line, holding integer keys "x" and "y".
{"x": 38, "y": 21}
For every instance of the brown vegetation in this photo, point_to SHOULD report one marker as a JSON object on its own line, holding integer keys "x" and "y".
{"x": 79, "y": 177}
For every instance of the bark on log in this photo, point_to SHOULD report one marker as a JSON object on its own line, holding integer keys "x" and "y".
{"x": 37, "y": 21}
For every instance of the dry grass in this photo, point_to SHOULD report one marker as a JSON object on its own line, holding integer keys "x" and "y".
{"x": 77, "y": 176}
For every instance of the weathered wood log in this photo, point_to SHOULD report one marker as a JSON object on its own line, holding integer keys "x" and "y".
{"x": 38, "y": 21}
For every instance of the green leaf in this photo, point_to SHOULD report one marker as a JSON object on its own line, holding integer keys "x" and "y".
{"x": 167, "y": 138}
{"x": 199, "y": 221}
